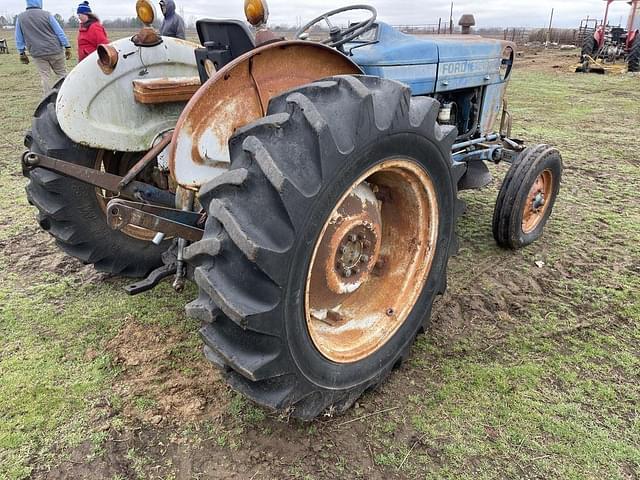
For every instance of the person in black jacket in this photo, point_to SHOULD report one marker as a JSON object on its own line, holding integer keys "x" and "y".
{"x": 173, "y": 24}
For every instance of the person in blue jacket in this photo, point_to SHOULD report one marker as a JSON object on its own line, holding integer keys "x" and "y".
{"x": 173, "y": 24}
{"x": 40, "y": 33}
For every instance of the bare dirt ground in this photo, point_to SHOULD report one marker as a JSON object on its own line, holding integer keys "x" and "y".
{"x": 529, "y": 370}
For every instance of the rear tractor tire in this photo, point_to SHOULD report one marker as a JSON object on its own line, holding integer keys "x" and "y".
{"x": 589, "y": 48}
{"x": 633, "y": 59}
{"x": 74, "y": 212}
{"x": 326, "y": 243}
{"x": 527, "y": 197}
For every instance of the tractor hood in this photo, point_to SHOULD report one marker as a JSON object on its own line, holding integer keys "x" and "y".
{"x": 394, "y": 48}
{"x": 429, "y": 64}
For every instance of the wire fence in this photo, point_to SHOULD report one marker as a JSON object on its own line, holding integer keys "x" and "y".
{"x": 518, "y": 35}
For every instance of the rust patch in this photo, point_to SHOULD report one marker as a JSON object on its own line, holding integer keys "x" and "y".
{"x": 146, "y": 37}
{"x": 107, "y": 58}
{"x": 119, "y": 165}
{"x": 537, "y": 202}
{"x": 239, "y": 94}
{"x": 347, "y": 325}
{"x": 218, "y": 114}
{"x": 286, "y": 65}
{"x": 349, "y": 249}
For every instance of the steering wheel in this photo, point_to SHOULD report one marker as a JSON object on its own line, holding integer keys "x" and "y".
{"x": 337, "y": 36}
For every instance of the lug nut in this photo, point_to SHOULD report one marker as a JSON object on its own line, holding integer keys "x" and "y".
{"x": 347, "y": 272}
{"x": 366, "y": 244}
{"x": 364, "y": 258}
{"x": 343, "y": 249}
{"x": 353, "y": 237}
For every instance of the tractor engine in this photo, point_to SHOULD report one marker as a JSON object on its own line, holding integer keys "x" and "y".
{"x": 467, "y": 74}
{"x": 461, "y": 109}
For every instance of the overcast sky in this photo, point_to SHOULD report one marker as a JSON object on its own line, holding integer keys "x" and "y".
{"x": 488, "y": 13}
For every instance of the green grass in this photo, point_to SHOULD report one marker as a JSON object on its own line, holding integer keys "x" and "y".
{"x": 549, "y": 405}
{"x": 539, "y": 380}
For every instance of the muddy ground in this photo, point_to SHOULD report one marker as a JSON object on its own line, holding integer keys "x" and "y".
{"x": 529, "y": 369}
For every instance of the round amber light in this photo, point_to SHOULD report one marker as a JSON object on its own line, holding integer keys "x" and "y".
{"x": 145, "y": 11}
{"x": 256, "y": 11}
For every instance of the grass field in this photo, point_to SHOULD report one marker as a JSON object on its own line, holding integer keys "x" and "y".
{"x": 530, "y": 369}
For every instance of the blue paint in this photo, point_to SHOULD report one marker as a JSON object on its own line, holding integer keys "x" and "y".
{"x": 399, "y": 57}
{"x": 394, "y": 48}
{"x": 432, "y": 64}
{"x": 421, "y": 78}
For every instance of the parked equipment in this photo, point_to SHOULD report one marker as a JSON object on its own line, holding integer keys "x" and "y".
{"x": 310, "y": 189}
{"x": 608, "y": 44}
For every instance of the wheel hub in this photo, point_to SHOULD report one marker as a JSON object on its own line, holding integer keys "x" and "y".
{"x": 371, "y": 260}
{"x": 536, "y": 204}
{"x": 538, "y": 201}
{"x": 118, "y": 165}
{"x": 353, "y": 256}
{"x": 352, "y": 241}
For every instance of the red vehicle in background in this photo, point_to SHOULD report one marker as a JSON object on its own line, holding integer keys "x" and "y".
{"x": 613, "y": 43}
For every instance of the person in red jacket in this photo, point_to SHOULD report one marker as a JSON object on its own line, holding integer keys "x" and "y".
{"x": 91, "y": 33}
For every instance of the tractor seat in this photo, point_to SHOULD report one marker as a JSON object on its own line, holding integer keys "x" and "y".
{"x": 229, "y": 34}
{"x": 223, "y": 42}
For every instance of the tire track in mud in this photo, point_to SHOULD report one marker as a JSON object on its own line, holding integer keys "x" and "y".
{"x": 499, "y": 296}
{"x": 32, "y": 253}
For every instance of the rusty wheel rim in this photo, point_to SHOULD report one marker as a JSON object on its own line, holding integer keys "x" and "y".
{"x": 105, "y": 162}
{"x": 371, "y": 260}
{"x": 538, "y": 201}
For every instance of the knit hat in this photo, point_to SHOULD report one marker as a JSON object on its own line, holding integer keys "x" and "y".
{"x": 83, "y": 8}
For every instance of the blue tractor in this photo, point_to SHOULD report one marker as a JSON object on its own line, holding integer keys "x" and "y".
{"x": 309, "y": 188}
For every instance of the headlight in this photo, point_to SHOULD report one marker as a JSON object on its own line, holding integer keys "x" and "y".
{"x": 256, "y": 11}
{"x": 145, "y": 11}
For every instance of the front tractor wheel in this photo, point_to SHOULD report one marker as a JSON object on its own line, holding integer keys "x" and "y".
{"x": 326, "y": 244}
{"x": 527, "y": 197}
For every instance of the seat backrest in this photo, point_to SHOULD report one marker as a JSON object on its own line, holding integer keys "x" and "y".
{"x": 233, "y": 34}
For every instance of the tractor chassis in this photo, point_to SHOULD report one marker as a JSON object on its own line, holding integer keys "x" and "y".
{"x": 134, "y": 190}
{"x": 149, "y": 207}
{"x": 142, "y": 205}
